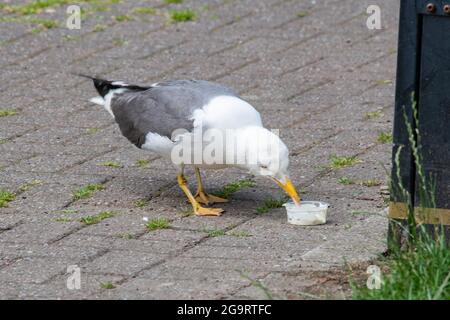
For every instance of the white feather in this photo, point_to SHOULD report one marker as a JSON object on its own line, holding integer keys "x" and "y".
{"x": 226, "y": 112}
{"x": 98, "y": 100}
{"x": 158, "y": 144}
{"x": 108, "y": 98}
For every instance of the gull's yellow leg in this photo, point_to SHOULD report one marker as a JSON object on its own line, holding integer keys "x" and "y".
{"x": 198, "y": 210}
{"x": 201, "y": 196}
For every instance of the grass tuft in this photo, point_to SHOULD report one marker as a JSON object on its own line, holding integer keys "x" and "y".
{"x": 69, "y": 37}
{"x": 28, "y": 185}
{"x": 384, "y": 137}
{"x": 143, "y": 163}
{"x": 338, "y": 162}
{"x": 5, "y": 198}
{"x": 345, "y": 181}
{"x": 97, "y": 218}
{"x": 87, "y": 191}
{"x": 69, "y": 211}
{"x": 240, "y": 234}
{"x": 382, "y": 82}
{"x": 186, "y": 212}
{"x": 92, "y": 130}
{"x": 182, "y": 15}
{"x": 419, "y": 274}
{"x": 99, "y": 28}
{"x": 144, "y": 10}
{"x": 371, "y": 183}
{"x": 61, "y": 219}
{"x": 34, "y": 7}
{"x": 140, "y": 203}
{"x": 107, "y": 285}
{"x": 123, "y": 18}
{"x": 44, "y": 23}
{"x": 259, "y": 285}
{"x": 7, "y": 113}
{"x": 418, "y": 266}
{"x": 374, "y": 115}
{"x": 126, "y": 236}
{"x": 111, "y": 164}
{"x": 159, "y": 223}
{"x": 270, "y": 204}
{"x": 233, "y": 187}
{"x": 215, "y": 232}
{"x": 302, "y": 14}
{"x": 173, "y": 1}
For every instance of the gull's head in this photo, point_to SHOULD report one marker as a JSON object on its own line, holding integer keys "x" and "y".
{"x": 266, "y": 155}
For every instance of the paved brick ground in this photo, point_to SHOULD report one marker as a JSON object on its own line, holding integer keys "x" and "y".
{"x": 312, "y": 68}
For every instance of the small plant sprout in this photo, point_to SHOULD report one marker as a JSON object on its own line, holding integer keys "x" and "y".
{"x": 43, "y": 23}
{"x": 33, "y": 7}
{"x": 173, "y": 1}
{"x": 371, "y": 183}
{"x": 338, "y": 162}
{"x": 215, "y": 232}
{"x": 107, "y": 285}
{"x": 61, "y": 219}
{"x": 182, "y": 15}
{"x": 123, "y": 18}
{"x": 7, "y": 113}
{"x": 69, "y": 211}
{"x": 140, "y": 203}
{"x": 111, "y": 164}
{"x": 384, "y": 137}
{"x": 239, "y": 234}
{"x": 69, "y": 37}
{"x": 126, "y": 236}
{"x": 87, "y": 191}
{"x": 5, "y": 198}
{"x": 99, "y": 28}
{"x": 27, "y": 186}
{"x": 345, "y": 181}
{"x": 233, "y": 187}
{"x": 374, "y": 114}
{"x": 270, "y": 204}
{"x": 144, "y": 10}
{"x": 92, "y": 130}
{"x": 302, "y": 14}
{"x": 119, "y": 42}
{"x": 186, "y": 212}
{"x": 143, "y": 163}
{"x": 97, "y": 218}
{"x": 159, "y": 223}
{"x": 384, "y": 82}
{"x": 258, "y": 284}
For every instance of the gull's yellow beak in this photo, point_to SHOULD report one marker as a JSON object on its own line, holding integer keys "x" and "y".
{"x": 289, "y": 188}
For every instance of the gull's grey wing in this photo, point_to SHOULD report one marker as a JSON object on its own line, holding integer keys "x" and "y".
{"x": 163, "y": 108}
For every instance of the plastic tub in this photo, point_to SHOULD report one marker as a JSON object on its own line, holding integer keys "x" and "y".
{"x": 309, "y": 213}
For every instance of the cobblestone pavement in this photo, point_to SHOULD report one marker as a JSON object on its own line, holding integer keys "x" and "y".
{"x": 312, "y": 68}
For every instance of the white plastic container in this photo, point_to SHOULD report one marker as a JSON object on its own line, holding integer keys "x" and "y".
{"x": 309, "y": 213}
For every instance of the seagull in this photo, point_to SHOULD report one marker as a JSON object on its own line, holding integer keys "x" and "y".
{"x": 171, "y": 118}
